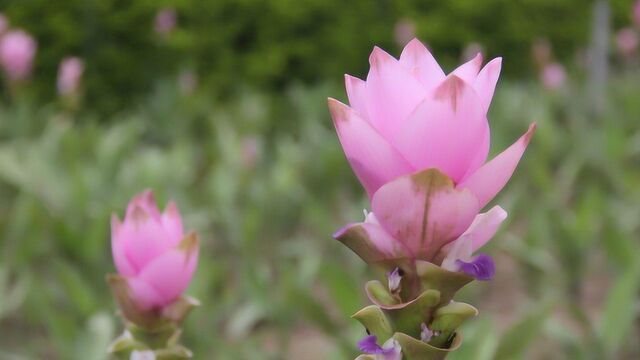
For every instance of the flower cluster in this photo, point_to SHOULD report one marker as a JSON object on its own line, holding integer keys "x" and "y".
{"x": 418, "y": 141}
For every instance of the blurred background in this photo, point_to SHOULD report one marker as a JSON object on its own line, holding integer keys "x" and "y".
{"x": 221, "y": 106}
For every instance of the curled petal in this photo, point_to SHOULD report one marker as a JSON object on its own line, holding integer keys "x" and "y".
{"x": 482, "y": 229}
{"x": 424, "y": 211}
{"x": 371, "y": 242}
{"x": 372, "y": 158}
{"x": 489, "y": 179}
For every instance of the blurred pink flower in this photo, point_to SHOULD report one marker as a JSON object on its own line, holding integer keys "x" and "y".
{"x": 404, "y": 31}
{"x": 4, "y": 23}
{"x": 152, "y": 253}
{"x": 187, "y": 82}
{"x": 627, "y": 41}
{"x": 409, "y": 116}
{"x": 471, "y": 50}
{"x": 541, "y": 52}
{"x": 250, "y": 151}
{"x": 553, "y": 76}
{"x": 69, "y": 76}
{"x": 635, "y": 14}
{"x": 166, "y": 20}
{"x": 17, "y": 49}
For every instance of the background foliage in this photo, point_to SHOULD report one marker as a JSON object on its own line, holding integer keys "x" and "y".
{"x": 257, "y": 170}
{"x": 270, "y": 44}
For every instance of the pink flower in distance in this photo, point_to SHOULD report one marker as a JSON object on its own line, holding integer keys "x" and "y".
{"x": 69, "y": 75}
{"x": 17, "y": 49}
{"x": 165, "y": 21}
{"x": 404, "y": 31}
{"x": 152, "y": 253}
{"x": 409, "y": 116}
{"x": 627, "y": 41}
{"x": 553, "y": 76}
{"x": 635, "y": 14}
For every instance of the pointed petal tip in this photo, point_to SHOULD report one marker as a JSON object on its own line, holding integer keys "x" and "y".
{"x": 338, "y": 110}
{"x": 340, "y": 232}
{"x": 529, "y": 134}
{"x": 379, "y": 57}
{"x": 171, "y": 209}
{"x": 116, "y": 223}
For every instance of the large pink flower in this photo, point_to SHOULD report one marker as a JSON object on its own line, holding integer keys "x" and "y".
{"x": 409, "y": 116}
{"x": 152, "y": 253}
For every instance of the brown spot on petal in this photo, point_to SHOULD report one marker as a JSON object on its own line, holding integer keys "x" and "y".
{"x": 450, "y": 91}
{"x": 189, "y": 244}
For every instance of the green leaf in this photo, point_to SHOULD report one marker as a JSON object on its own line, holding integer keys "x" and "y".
{"x": 516, "y": 340}
{"x": 414, "y": 349}
{"x": 375, "y": 321}
{"x": 620, "y": 311}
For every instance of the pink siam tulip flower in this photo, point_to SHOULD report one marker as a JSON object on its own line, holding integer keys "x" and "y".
{"x": 69, "y": 75}
{"x": 165, "y": 21}
{"x": 152, "y": 253}
{"x": 410, "y": 116}
{"x": 17, "y": 49}
{"x": 636, "y": 13}
{"x": 553, "y": 76}
{"x": 627, "y": 41}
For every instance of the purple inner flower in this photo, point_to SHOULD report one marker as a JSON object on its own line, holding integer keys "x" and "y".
{"x": 481, "y": 267}
{"x": 369, "y": 345}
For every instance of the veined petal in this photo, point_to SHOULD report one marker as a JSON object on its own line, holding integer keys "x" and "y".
{"x": 489, "y": 179}
{"x": 485, "y": 83}
{"x": 447, "y": 132}
{"x": 469, "y": 70}
{"x": 372, "y": 158}
{"x": 392, "y": 93}
{"x": 424, "y": 211}
{"x": 417, "y": 59}
{"x": 356, "y": 92}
